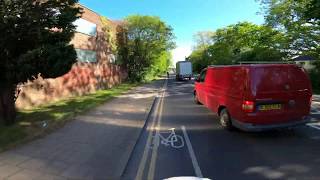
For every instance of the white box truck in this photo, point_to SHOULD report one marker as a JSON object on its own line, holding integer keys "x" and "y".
{"x": 183, "y": 70}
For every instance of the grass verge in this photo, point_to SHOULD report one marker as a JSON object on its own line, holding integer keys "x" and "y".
{"x": 42, "y": 120}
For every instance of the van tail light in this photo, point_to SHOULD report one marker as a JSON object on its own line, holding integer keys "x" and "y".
{"x": 248, "y": 106}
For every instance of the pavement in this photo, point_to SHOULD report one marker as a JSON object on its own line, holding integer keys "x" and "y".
{"x": 316, "y": 97}
{"x": 315, "y": 103}
{"x": 96, "y": 145}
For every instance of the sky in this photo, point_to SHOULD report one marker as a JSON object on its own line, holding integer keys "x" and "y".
{"x": 186, "y": 17}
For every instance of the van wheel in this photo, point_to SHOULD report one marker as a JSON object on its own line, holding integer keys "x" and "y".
{"x": 195, "y": 98}
{"x": 225, "y": 120}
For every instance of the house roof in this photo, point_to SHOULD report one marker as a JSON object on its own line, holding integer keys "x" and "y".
{"x": 304, "y": 58}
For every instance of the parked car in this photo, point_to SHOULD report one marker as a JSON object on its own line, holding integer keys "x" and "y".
{"x": 256, "y": 97}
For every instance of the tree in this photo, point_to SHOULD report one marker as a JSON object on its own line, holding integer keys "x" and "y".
{"x": 200, "y": 59}
{"x": 241, "y": 42}
{"x": 146, "y": 39}
{"x": 203, "y": 39}
{"x": 247, "y": 37}
{"x": 35, "y": 40}
{"x": 312, "y": 14}
{"x": 298, "y": 20}
{"x": 312, "y": 11}
{"x": 160, "y": 65}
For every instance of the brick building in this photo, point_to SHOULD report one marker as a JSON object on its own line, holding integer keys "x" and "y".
{"x": 94, "y": 70}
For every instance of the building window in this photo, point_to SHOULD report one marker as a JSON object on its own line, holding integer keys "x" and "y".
{"x": 85, "y": 27}
{"x": 86, "y": 55}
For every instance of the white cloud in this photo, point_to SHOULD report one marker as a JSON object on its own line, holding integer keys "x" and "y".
{"x": 180, "y": 53}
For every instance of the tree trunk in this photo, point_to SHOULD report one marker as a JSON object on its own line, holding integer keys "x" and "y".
{"x": 7, "y": 104}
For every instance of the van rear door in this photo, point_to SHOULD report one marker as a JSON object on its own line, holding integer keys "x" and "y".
{"x": 282, "y": 93}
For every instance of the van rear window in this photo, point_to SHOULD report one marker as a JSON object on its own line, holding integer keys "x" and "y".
{"x": 299, "y": 79}
{"x": 267, "y": 79}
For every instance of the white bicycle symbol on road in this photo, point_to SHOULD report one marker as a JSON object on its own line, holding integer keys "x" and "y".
{"x": 173, "y": 140}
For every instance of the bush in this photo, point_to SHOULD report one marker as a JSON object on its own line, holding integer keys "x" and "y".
{"x": 315, "y": 80}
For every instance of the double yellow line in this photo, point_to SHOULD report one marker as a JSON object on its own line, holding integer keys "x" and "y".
{"x": 153, "y": 140}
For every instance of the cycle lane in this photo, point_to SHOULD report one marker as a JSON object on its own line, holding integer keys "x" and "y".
{"x": 225, "y": 155}
{"x": 161, "y": 157}
{"x": 173, "y": 157}
{"x": 172, "y": 160}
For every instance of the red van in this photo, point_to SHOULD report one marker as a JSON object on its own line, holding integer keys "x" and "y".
{"x": 256, "y": 97}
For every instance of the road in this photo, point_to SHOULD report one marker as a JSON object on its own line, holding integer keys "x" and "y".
{"x": 201, "y": 148}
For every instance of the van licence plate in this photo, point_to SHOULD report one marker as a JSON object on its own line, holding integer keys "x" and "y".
{"x": 269, "y": 107}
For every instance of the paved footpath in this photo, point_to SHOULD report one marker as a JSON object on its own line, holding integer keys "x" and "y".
{"x": 96, "y": 145}
{"x": 315, "y": 104}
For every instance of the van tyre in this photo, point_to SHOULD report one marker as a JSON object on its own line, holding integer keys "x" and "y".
{"x": 225, "y": 120}
{"x": 195, "y": 97}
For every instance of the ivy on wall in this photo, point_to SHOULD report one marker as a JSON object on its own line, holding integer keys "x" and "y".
{"x": 110, "y": 31}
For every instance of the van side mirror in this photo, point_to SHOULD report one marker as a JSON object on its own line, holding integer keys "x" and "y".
{"x": 198, "y": 79}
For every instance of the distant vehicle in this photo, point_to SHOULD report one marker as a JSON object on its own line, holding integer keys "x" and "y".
{"x": 183, "y": 70}
{"x": 256, "y": 97}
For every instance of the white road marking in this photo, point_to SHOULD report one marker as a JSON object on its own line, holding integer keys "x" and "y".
{"x": 313, "y": 119}
{"x": 314, "y": 126}
{"x": 144, "y": 158}
{"x": 314, "y": 123}
{"x": 173, "y": 140}
{"x": 195, "y": 163}
{"x": 154, "y": 154}
{"x": 315, "y": 137}
{"x": 314, "y": 102}
{"x": 186, "y": 178}
{"x": 143, "y": 161}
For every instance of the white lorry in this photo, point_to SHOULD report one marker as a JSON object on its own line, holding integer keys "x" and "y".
{"x": 183, "y": 70}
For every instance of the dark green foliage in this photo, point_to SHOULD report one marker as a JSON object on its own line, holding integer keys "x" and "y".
{"x": 315, "y": 80}
{"x": 299, "y": 20}
{"x": 143, "y": 44}
{"x": 312, "y": 11}
{"x": 35, "y": 40}
{"x": 315, "y": 77}
{"x": 240, "y": 42}
{"x": 292, "y": 28}
{"x": 36, "y": 36}
{"x": 200, "y": 59}
{"x": 261, "y": 54}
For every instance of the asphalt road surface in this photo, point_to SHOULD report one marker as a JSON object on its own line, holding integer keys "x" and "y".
{"x": 199, "y": 147}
